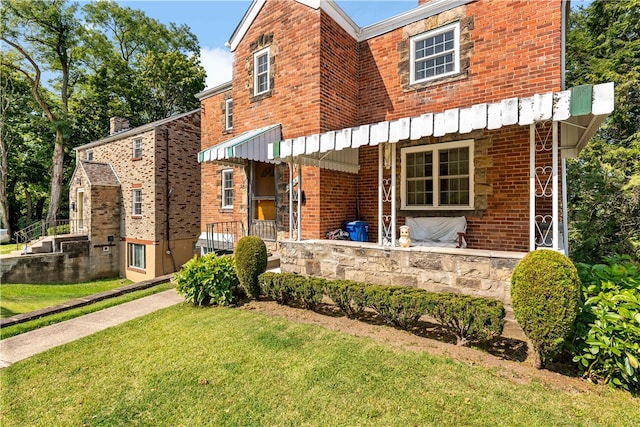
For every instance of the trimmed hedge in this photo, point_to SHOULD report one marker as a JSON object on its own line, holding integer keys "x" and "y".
{"x": 251, "y": 261}
{"x": 349, "y": 296}
{"x": 468, "y": 317}
{"x": 545, "y": 293}
{"x": 465, "y": 316}
{"x": 400, "y": 306}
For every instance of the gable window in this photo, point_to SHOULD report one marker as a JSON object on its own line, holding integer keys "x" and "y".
{"x": 227, "y": 189}
{"x": 228, "y": 114}
{"x": 89, "y": 155}
{"x": 438, "y": 176}
{"x": 435, "y": 54}
{"x": 261, "y": 71}
{"x": 136, "y": 255}
{"x": 137, "y": 149}
{"x": 136, "y": 202}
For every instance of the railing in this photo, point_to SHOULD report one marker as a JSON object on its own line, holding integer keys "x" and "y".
{"x": 265, "y": 229}
{"x": 223, "y": 236}
{"x": 52, "y": 228}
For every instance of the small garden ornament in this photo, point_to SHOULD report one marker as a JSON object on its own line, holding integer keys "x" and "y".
{"x": 404, "y": 239}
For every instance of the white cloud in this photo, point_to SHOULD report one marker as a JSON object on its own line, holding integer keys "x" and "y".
{"x": 217, "y": 62}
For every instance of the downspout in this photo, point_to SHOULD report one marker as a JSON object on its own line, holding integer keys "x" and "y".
{"x": 566, "y": 10}
{"x": 168, "y": 190}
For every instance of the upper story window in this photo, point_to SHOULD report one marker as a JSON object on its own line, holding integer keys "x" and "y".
{"x": 437, "y": 176}
{"x": 136, "y": 202}
{"x": 227, "y": 189}
{"x": 261, "y": 68}
{"x": 228, "y": 114}
{"x": 89, "y": 155}
{"x": 435, "y": 54}
{"x": 137, "y": 149}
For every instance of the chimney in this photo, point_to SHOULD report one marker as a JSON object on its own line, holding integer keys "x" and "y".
{"x": 118, "y": 124}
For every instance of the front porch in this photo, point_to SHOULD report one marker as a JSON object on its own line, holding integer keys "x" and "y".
{"x": 475, "y": 272}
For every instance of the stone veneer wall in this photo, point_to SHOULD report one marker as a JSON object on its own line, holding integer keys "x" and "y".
{"x": 472, "y": 272}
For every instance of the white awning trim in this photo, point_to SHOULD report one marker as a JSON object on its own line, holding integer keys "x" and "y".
{"x": 585, "y": 107}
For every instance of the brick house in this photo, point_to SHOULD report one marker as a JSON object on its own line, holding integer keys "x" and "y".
{"x": 136, "y": 194}
{"x": 453, "y": 109}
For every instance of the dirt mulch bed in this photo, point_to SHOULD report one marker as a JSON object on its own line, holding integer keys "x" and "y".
{"x": 509, "y": 358}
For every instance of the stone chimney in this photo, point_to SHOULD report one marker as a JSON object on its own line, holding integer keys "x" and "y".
{"x": 118, "y": 124}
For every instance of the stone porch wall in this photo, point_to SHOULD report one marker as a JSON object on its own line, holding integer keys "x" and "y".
{"x": 467, "y": 271}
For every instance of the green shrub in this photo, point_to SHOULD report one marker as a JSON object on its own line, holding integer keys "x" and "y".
{"x": 468, "y": 317}
{"x": 208, "y": 280}
{"x": 400, "y": 306}
{"x": 545, "y": 293}
{"x": 276, "y": 286}
{"x": 58, "y": 230}
{"x": 606, "y": 343}
{"x": 251, "y": 261}
{"x": 349, "y": 296}
{"x": 308, "y": 291}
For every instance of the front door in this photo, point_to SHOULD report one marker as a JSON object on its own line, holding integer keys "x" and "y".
{"x": 263, "y": 222}
{"x": 80, "y": 224}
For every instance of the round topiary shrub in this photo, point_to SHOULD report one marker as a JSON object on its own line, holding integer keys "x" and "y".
{"x": 207, "y": 280}
{"x": 545, "y": 294}
{"x": 251, "y": 261}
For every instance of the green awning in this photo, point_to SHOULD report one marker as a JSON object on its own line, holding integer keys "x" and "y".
{"x": 250, "y": 145}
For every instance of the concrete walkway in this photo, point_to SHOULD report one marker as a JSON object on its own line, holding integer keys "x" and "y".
{"x": 29, "y": 343}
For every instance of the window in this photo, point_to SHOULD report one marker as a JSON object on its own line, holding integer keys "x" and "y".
{"x": 438, "y": 176}
{"x": 435, "y": 54}
{"x": 228, "y": 114}
{"x": 89, "y": 155}
{"x": 261, "y": 71}
{"x": 136, "y": 255}
{"x": 137, "y": 148}
{"x": 136, "y": 198}
{"x": 227, "y": 189}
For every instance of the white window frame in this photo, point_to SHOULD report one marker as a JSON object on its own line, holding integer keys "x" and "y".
{"x": 134, "y": 260}
{"x": 435, "y": 149}
{"x": 266, "y": 73}
{"x": 228, "y": 114}
{"x": 136, "y": 148}
{"x": 89, "y": 155}
{"x": 136, "y": 202}
{"x": 225, "y": 189}
{"x": 456, "y": 50}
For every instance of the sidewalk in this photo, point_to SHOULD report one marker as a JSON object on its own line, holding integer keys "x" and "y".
{"x": 27, "y": 344}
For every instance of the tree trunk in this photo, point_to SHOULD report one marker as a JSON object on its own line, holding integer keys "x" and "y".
{"x": 538, "y": 363}
{"x": 4, "y": 203}
{"x": 55, "y": 192}
{"x": 29, "y": 203}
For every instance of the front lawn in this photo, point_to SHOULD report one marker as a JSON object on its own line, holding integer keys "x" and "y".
{"x": 225, "y": 366}
{"x": 23, "y": 298}
{"x": 7, "y": 248}
{"x": 30, "y": 325}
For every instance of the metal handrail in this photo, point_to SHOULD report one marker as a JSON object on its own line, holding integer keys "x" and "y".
{"x": 224, "y": 236}
{"x": 43, "y": 228}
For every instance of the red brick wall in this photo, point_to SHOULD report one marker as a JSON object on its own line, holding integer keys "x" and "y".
{"x": 514, "y": 50}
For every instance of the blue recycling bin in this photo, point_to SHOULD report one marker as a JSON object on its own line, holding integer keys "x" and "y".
{"x": 358, "y": 230}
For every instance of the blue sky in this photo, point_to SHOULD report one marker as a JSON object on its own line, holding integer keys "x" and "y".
{"x": 213, "y": 22}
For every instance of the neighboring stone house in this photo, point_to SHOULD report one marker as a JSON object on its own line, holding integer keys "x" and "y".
{"x": 454, "y": 109}
{"x": 136, "y": 194}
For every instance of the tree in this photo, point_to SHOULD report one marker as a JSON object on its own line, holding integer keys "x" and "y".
{"x": 43, "y": 36}
{"x": 604, "y": 182}
{"x": 105, "y": 61}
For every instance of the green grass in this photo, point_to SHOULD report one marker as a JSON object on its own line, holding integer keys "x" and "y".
{"x": 229, "y": 367}
{"x": 23, "y": 298}
{"x": 7, "y": 248}
{"x": 30, "y": 325}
